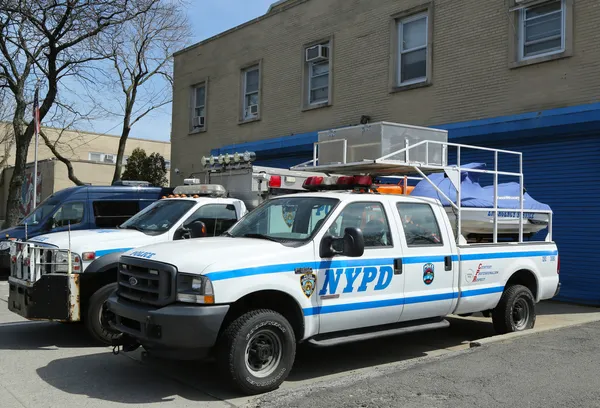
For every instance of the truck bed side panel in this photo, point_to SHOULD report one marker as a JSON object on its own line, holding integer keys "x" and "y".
{"x": 485, "y": 270}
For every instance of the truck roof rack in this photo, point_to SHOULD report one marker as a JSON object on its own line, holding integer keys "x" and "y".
{"x": 414, "y": 157}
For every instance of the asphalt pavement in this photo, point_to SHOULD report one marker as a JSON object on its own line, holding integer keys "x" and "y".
{"x": 44, "y": 364}
{"x": 557, "y": 368}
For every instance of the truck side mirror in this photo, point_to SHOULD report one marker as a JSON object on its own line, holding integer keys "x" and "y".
{"x": 352, "y": 243}
{"x": 197, "y": 229}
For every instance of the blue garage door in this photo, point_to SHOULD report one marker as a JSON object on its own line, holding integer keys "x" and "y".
{"x": 564, "y": 172}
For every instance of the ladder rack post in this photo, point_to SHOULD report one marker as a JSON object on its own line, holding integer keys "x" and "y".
{"x": 522, "y": 183}
{"x": 407, "y": 147}
{"x": 458, "y": 195}
{"x": 495, "y": 197}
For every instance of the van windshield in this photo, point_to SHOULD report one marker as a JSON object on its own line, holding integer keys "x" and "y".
{"x": 44, "y": 209}
{"x": 285, "y": 220}
{"x": 159, "y": 216}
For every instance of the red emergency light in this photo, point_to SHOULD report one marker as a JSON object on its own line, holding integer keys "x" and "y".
{"x": 275, "y": 182}
{"x": 315, "y": 183}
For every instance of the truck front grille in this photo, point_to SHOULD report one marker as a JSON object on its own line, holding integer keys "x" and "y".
{"x": 147, "y": 282}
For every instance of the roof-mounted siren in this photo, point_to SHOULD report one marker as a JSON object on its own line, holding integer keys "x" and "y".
{"x": 372, "y": 141}
{"x": 317, "y": 53}
{"x": 204, "y": 190}
{"x": 132, "y": 183}
{"x": 228, "y": 159}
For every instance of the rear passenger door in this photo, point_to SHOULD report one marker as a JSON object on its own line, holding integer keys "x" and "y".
{"x": 428, "y": 264}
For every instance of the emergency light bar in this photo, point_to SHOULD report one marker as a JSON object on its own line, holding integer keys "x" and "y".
{"x": 315, "y": 183}
{"x": 213, "y": 190}
{"x": 228, "y": 159}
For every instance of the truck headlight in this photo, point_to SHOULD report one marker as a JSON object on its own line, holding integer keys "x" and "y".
{"x": 61, "y": 262}
{"x": 194, "y": 289}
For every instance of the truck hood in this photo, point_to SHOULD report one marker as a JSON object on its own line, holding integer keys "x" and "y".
{"x": 203, "y": 255}
{"x": 100, "y": 241}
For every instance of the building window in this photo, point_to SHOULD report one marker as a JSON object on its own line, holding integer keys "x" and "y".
{"x": 542, "y": 29}
{"x": 102, "y": 157}
{"x": 317, "y": 70}
{"x": 168, "y": 164}
{"x": 198, "y": 108}
{"x": 251, "y": 93}
{"x": 412, "y": 49}
{"x": 96, "y": 157}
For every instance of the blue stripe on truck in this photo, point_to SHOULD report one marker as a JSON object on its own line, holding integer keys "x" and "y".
{"x": 350, "y": 307}
{"x": 103, "y": 252}
{"x": 289, "y": 267}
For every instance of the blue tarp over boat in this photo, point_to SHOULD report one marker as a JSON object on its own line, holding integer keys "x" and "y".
{"x": 473, "y": 194}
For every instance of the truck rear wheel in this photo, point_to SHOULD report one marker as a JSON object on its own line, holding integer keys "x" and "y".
{"x": 96, "y": 318}
{"x": 257, "y": 351}
{"x": 515, "y": 311}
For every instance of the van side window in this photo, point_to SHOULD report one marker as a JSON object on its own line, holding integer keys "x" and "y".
{"x": 420, "y": 225}
{"x": 368, "y": 217}
{"x": 68, "y": 214}
{"x": 218, "y": 218}
{"x": 110, "y": 214}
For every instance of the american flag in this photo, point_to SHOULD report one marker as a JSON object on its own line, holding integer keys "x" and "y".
{"x": 36, "y": 112}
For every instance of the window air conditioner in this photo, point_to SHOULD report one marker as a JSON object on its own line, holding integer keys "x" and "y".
{"x": 317, "y": 53}
{"x": 198, "y": 121}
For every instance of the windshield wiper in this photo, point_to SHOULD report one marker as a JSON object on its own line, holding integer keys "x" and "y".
{"x": 226, "y": 234}
{"x": 261, "y": 236}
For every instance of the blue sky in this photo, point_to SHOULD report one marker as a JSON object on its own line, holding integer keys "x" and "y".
{"x": 207, "y": 18}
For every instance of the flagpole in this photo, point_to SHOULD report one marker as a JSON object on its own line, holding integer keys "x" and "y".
{"x": 35, "y": 155}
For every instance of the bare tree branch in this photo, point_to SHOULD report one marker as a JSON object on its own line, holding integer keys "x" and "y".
{"x": 63, "y": 159}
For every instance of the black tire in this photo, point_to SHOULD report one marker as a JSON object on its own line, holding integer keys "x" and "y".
{"x": 96, "y": 316}
{"x": 515, "y": 311}
{"x": 263, "y": 332}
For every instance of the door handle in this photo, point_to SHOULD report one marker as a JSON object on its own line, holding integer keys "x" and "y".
{"x": 448, "y": 263}
{"x": 398, "y": 266}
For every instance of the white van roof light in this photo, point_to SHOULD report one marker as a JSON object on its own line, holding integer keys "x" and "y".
{"x": 228, "y": 159}
{"x": 212, "y": 190}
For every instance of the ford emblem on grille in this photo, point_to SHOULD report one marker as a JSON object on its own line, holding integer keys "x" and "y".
{"x": 133, "y": 281}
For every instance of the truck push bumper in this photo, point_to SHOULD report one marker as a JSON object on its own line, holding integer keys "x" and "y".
{"x": 177, "y": 331}
{"x": 53, "y": 297}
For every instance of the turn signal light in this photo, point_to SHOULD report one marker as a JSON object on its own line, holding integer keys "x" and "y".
{"x": 88, "y": 256}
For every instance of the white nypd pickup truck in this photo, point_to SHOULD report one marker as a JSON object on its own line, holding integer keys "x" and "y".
{"x": 324, "y": 267}
{"x": 48, "y": 284}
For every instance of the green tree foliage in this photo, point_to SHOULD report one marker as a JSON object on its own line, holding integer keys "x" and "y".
{"x": 147, "y": 168}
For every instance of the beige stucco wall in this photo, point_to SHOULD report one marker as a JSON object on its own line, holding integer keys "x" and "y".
{"x": 472, "y": 76}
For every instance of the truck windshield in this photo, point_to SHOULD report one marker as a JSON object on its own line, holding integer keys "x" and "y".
{"x": 159, "y": 216}
{"x": 285, "y": 219}
{"x": 44, "y": 209}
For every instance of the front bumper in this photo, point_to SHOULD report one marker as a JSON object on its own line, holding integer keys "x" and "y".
{"x": 47, "y": 299}
{"x": 178, "y": 331}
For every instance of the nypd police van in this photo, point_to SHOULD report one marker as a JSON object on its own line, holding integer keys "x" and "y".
{"x": 342, "y": 262}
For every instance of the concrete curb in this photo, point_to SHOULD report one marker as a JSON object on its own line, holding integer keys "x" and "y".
{"x": 516, "y": 335}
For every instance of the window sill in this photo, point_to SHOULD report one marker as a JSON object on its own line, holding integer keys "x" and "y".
{"x": 195, "y": 132}
{"x": 252, "y": 120}
{"x": 541, "y": 59}
{"x": 316, "y": 106}
{"x": 407, "y": 87}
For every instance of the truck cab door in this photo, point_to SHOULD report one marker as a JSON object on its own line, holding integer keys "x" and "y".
{"x": 364, "y": 291}
{"x": 429, "y": 262}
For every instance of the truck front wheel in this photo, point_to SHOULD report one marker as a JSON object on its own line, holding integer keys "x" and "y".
{"x": 96, "y": 318}
{"x": 515, "y": 311}
{"x": 257, "y": 351}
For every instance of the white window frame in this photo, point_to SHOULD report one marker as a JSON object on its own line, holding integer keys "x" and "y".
{"x": 400, "y": 33}
{"x": 194, "y": 107}
{"x": 245, "y": 94}
{"x": 563, "y": 30}
{"x": 311, "y": 66}
{"x": 167, "y": 164}
{"x": 113, "y": 158}
{"x": 101, "y": 158}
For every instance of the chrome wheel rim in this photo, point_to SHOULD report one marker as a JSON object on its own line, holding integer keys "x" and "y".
{"x": 263, "y": 353}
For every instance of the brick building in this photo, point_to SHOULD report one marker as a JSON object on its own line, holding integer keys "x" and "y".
{"x": 515, "y": 74}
